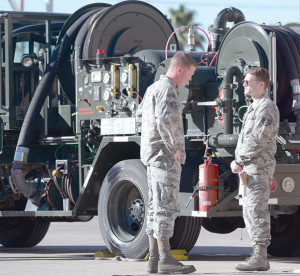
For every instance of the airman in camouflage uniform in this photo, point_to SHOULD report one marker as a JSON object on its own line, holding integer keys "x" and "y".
{"x": 254, "y": 156}
{"x": 163, "y": 152}
{"x": 162, "y": 136}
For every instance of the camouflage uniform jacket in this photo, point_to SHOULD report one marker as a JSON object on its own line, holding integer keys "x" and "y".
{"x": 256, "y": 145}
{"x": 162, "y": 126}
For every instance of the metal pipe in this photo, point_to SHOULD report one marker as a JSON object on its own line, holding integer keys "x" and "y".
{"x": 274, "y": 67}
{"x": 209, "y": 103}
{"x": 60, "y": 138}
{"x": 227, "y": 86}
{"x": 296, "y": 105}
{"x": 223, "y": 140}
{"x": 191, "y": 39}
{"x": 218, "y": 30}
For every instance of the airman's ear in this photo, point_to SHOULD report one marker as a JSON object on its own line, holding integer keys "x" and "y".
{"x": 263, "y": 85}
{"x": 179, "y": 69}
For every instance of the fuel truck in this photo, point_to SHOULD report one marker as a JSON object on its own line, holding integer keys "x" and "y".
{"x": 70, "y": 138}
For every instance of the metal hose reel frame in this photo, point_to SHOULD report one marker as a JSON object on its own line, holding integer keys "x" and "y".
{"x": 248, "y": 44}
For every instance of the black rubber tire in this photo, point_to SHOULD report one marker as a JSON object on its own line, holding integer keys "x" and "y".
{"x": 22, "y": 232}
{"x": 186, "y": 233}
{"x": 285, "y": 233}
{"x": 124, "y": 183}
{"x": 223, "y": 225}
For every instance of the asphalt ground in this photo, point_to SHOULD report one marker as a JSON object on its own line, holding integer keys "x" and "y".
{"x": 68, "y": 249}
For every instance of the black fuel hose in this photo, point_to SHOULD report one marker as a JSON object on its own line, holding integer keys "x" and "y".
{"x": 293, "y": 48}
{"x": 293, "y": 35}
{"x": 228, "y": 15}
{"x": 77, "y": 14}
{"x": 66, "y": 72}
{"x": 45, "y": 84}
{"x": 34, "y": 37}
{"x": 287, "y": 71}
{"x": 32, "y": 189}
{"x": 286, "y": 52}
{"x": 38, "y": 28}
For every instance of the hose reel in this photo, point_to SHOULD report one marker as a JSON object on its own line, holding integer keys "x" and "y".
{"x": 114, "y": 29}
{"x": 249, "y": 44}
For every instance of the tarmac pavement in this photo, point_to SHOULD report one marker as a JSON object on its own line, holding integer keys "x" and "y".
{"x": 68, "y": 249}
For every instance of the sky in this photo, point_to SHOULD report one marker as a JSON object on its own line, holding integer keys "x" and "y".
{"x": 269, "y": 12}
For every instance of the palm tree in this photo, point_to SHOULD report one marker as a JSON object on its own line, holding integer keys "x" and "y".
{"x": 182, "y": 17}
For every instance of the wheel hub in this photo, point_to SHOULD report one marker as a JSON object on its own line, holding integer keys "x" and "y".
{"x": 137, "y": 210}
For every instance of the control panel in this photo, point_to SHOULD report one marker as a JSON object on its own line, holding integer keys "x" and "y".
{"x": 109, "y": 92}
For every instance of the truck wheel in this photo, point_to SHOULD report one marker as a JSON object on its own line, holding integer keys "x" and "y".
{"x": 22, "y": 232}
{"x": 122, "y": 208}
{"x": 222, "y": 225}
{"x": 186, "y": 233}
{"x": 285, "y": 233}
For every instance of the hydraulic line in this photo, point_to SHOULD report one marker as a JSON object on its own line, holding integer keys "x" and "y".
{"x": 214, "y": 59}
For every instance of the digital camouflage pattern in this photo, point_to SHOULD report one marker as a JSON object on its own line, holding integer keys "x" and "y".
{"x": 255, "y": 152}
{"x": 161, "y": 136}
{"x": 164, "y": 203}
{"x": 256, "y": 145}
{"x": 256, "y": 212}
{"x": 162, "y": 127}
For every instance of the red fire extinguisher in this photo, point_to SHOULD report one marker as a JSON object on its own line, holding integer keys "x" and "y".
{"x": 208, "y": 178}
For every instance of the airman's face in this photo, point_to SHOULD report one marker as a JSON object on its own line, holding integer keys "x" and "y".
{"x": 253, "y": 87}
{"x": 184, "y": 74}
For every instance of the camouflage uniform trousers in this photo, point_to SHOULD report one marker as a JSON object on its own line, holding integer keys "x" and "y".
{"x": 164, "y": 203}
{"x": 255, "y": 208}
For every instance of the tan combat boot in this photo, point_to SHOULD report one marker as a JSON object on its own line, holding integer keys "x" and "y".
{"x": 154, "y": 256}
{"x": 258, "y": 260}
{"x": 167, "y": 264}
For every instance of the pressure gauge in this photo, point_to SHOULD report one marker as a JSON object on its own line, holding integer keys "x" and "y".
{"x": 124, "y": 77}
{"x": 106, "y": 78}
{"x": 106, "y": 95}
{"x": 85, "y": 80}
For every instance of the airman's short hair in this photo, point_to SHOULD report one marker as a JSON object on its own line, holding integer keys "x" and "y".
{"x": 182, "y": 59}
{"x": 261, "y": 74}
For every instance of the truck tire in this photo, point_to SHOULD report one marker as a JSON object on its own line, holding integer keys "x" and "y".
{"x": 122, "y": 208}
{"x": 17, "y": 232}
{"x": 222, "y": 225}
{"x": 186, "y": 233}
{"x": 285, "y": 233}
